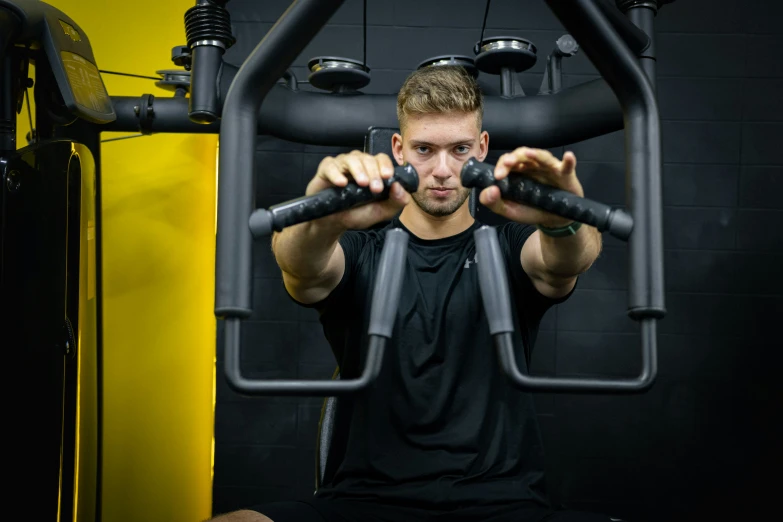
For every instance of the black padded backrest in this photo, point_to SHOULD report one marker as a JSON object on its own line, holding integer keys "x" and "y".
{"x": 378, "y": 139}
{"x": 332, "y": 438}
{"x": 323, "y": 445}
{"x": 330, "y": 444}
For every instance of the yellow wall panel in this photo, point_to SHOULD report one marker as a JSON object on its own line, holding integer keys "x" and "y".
{"x": 158, "y": 211}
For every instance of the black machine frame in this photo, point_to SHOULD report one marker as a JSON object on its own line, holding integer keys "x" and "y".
{"x": 607, "y": 39}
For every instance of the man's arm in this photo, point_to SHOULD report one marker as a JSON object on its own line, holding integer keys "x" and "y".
{"x": 311, "y": 260}
{"x": 553, "y": 264}
{"x": 309, "y": 254}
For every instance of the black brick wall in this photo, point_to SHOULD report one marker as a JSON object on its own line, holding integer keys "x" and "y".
{"x": 701, "y": 440}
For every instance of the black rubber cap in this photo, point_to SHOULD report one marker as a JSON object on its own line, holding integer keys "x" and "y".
{"x": 620, "y": 224}
{"x": 261, "y": 223}
{"x": 408, "y": 177}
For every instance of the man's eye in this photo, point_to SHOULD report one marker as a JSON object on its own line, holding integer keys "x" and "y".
{"x": 422, "y": 150}
{"x": 463, "y": 149}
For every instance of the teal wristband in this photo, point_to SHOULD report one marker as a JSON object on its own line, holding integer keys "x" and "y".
{"x": 568, "y": 230}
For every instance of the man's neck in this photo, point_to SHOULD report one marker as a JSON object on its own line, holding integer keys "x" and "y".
{"x": 425, "y": 226}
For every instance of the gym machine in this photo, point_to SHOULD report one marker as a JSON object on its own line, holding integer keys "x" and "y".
{"x": 608, "y": 39}
{"x": 50, "y": 271}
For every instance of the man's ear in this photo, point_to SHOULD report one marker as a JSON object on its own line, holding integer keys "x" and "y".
{"x": 397, "y": 148}
{"x": 483, "y": 145}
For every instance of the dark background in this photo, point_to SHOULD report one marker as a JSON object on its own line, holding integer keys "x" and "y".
{"x": 705, "y": 440}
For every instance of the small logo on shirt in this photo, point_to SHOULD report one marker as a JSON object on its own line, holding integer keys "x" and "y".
{"x": 470, "y": 261}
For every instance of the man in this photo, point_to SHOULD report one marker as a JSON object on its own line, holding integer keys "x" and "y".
{"x": 441, "y": 435}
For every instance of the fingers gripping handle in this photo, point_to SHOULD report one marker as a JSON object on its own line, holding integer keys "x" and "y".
{"x": 388, "y": 283}
{"x": 561, "y": 202}
{"x": 327, "y": 202}
{"x": 493, "y": 281}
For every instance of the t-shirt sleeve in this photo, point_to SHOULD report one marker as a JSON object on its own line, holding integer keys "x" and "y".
{"x": 352, "y": 242}
{"x": 512, "y": 237}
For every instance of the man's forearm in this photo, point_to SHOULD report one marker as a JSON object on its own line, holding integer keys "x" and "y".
{"x": 571, "y": 255}
{"x": 304, "y": 250}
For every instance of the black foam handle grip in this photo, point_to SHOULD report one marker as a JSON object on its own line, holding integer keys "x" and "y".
{"x": 327, "y": 202}
{"x": 493, "y": 281}
{"x": 517, "y": 187}
{"x": 388, "y": 283}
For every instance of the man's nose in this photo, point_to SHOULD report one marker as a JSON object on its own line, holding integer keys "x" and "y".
{"x": 443, "y": 169}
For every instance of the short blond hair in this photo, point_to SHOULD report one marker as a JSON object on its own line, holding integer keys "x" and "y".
{"x": 439, "y": 89}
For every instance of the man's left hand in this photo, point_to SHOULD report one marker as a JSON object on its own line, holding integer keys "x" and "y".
{"x": 541, "y": 166}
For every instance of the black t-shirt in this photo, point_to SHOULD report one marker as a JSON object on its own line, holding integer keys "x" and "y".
{"x": 442, "y": 427}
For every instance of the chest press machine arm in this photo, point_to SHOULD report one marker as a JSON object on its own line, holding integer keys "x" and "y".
{"x": 586, "y": 21}
{"x": 297, "y": 26}
{"x": 610, "y": 52}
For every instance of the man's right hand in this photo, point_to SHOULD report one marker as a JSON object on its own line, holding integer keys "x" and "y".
{"x": 365, "y": 170}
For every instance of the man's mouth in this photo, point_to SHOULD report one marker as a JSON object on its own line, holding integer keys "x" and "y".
{"x": 441, "y": 191}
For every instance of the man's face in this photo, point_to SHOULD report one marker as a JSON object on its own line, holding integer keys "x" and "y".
{"x": 437, "y": 145}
